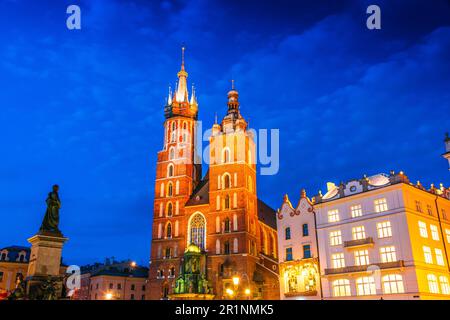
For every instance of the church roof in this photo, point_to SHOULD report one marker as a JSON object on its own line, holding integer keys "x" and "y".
{"x": 266, "y": 214}
{"x": 200, "y": 196}
{"x": 140, "y": 272}
{"x": 13, "y": 252}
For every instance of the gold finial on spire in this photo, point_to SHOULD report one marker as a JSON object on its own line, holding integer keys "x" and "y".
{"x": 232, "y": 84}
{"x": 183, "y": 48}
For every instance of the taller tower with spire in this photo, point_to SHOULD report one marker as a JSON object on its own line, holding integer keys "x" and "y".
{"x": 176, "y": 177}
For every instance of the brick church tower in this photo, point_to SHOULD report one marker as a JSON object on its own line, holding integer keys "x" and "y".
{"x": 176, "y": 178}
{"x": 212, "y": 237}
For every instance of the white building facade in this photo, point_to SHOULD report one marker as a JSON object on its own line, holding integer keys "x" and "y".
{"x": 381, "y": 237}
{"x": 298, "y": 256}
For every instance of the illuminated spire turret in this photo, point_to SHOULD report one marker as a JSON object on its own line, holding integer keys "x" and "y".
{"x": 182, "y": 91}
{"x": 178, "y": 102}
{"x": 233, "y": 119}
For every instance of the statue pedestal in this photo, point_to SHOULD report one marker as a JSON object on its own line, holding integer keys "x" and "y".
{"x": 45, "y": 262}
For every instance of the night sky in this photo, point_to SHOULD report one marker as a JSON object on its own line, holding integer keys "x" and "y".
{"x": 84, "y": 108}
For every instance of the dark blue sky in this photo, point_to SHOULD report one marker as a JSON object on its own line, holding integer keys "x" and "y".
{"x": 84, "y": 109}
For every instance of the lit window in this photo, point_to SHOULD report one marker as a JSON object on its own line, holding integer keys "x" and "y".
{"x": 439, "y": 257}
{"x": 335, "y": 238}
{"x": 333, "y": 215}
{"x": 393, "y": 283}
{"x": 418, "y": 206}
{"x": 384, "y": 229}
{"x": 380, "y": 205}
{"x": 337, "y": 260}
{"x": 356, "y": 211}
{"x": 434, "y": 232}
{"x": 361, "y": 257}
{"x": 432, "y": 283}
{"x": 287, "y": 233}
{"x": 427, "y": 254}
{"x": 358, "y": 233}
{"x": 445, "y": 288}
{"x": 447, "y": 234}
{"x": 365, "y": 286}
{"x": 341, "y": 288}
{"x": 429, "y": 210}
{"x": 388, "y": 254}
{"x": 289, "y": 254}
{"x": 423, "y": 229}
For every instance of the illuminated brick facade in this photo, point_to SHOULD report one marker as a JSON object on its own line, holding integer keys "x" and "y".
{"x": 220, "y": 213}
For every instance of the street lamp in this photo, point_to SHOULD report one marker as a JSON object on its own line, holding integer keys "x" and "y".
{"x": 109, "y": 296}
{"x": 230, "y": 292}
{"x": 133, "y": 264}
{"x": 247, "y": 292}
{"x": 236, "y": 280}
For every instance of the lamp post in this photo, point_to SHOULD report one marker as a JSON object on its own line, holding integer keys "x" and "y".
{"x": 108, "y": 296}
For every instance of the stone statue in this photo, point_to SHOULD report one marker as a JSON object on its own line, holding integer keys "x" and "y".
{"x": 19, "y": 293}
{"x": 51, "y": 218}
{"x": 49, "y": 289}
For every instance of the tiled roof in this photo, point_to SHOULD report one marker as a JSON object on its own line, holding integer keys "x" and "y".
{"x": 266, "y": 214}
{"x": 13, "y": 253}
{"x": 200, "y": 194}
{"x": 140, "y": 272}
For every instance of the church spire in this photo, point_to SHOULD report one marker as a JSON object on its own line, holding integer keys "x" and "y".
{"x": 193, "y": 100}
{"x": 233, "y": 100}
{"x": 182, "y": 91}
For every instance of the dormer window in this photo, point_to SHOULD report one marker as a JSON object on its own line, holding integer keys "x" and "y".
{"x": 4, "y": 255}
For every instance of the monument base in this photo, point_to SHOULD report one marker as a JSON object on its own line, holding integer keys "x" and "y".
{"x": 44, "y": 279}
{"x": 44, "y": 287}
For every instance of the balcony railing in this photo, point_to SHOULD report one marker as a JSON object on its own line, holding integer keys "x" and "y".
{"x": 351, "y": 269}
{"x": 359, "y": 242}
{"x": 301, "y": 294}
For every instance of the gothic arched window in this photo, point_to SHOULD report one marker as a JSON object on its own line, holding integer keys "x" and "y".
{"x": 169, "y": 230}
{"x": 197, "y": 230}
{"x": 168, "y": 253}
{"x": 226, "y": 155}
{"x": 170, "y": 170}
{"x": 227, "y": 202}
{"x": 184, "y": 138}
{"x": 227, "y": 225}
{"x": 170, "y": 190}
{"x": 172, "y": 153}
{"x": 172, "y": 138}
{"x": 169, "y": 209}
{"x": 226, "y": 247}
{"x": 226, "y": 181}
